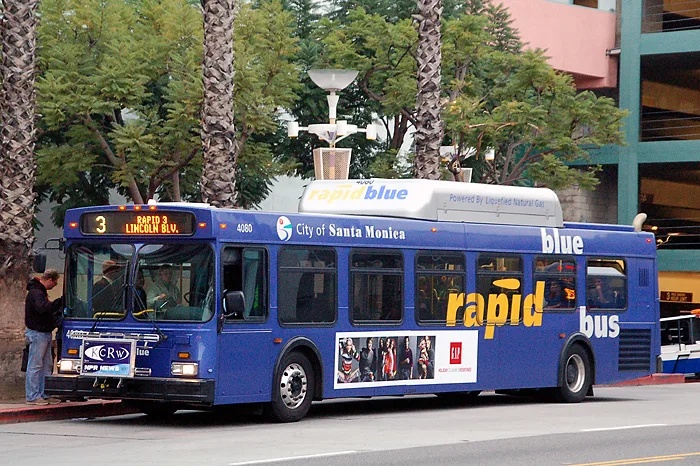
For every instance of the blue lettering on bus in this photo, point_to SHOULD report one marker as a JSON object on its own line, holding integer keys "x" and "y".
{"x": 348, "y": 192}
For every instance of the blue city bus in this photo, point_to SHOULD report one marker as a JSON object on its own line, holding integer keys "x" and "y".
{"x": 376, "y": 287}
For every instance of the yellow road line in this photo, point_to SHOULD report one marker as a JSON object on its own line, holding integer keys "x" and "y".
{"x": 647, "y": 459}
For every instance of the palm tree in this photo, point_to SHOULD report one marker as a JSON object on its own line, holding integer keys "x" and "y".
{"x": 218, "y": 139}
{"x": 429, "y": 127}
{"x": 18, "y": 38}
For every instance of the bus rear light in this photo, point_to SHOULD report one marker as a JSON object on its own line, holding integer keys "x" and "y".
{"x": 183, "y": 355}
{"x": 73, "y": 351}
{"x": 184, "y": 369}
{"x": 69, "y": 366}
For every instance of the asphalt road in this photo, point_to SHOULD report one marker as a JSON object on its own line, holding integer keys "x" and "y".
{"x": 620, "y": 426}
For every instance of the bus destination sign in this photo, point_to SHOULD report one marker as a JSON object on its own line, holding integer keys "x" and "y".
{"x": 138, "y": 223}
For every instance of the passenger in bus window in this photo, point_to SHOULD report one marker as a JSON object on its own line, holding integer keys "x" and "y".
{"x": 368, "y": 361}
{"x": 555, "y": 295}
{"x": 406, "y": 364}
{"x": 164, "y": 291}
{"x": 601, "y": 295}
{"x": 107, "y": 291}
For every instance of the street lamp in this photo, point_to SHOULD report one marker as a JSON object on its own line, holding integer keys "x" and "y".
{"x": 332, "y": 163}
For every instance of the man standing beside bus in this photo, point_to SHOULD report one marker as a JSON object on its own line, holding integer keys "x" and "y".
{"x": 40, "y": 319}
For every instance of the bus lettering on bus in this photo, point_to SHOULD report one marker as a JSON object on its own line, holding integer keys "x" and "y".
{"x": 498, "y": 309}
{"x": 560, "y": 244}
{"x": 599, "y": 326}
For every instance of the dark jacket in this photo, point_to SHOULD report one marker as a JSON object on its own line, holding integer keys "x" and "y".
{"x": 39, "y": 312}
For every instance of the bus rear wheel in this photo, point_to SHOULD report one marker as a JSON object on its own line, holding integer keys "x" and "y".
{"x": 293, "y": 390}
{"x": 576, "y": 377}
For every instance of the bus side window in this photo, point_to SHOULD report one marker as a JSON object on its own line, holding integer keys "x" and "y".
{"x": 245, "y": 269}
{"x": 606, "y": 284}
{"x": 376, "y": 293}
{"x": 306, "y": 285}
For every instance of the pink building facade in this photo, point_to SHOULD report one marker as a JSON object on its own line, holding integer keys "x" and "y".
{"x": 578, "y": 40}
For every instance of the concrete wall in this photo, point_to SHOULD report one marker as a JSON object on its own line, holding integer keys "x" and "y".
{"x": 576, "y": 38}
{"x": 597, "y": 206}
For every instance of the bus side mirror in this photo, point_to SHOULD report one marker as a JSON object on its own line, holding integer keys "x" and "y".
{"x": 39, "y": 264}
{"x": 234, "y": 304}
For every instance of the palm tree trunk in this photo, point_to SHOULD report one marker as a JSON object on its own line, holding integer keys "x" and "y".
{"x": 218, "y": 139}
{"x": 429, "y": 127}
{"x": 18, "y": 37}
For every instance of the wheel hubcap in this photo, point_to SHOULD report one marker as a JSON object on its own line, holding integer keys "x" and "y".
{"x": 575, "y": 373}
{"x": 293, "y": 386}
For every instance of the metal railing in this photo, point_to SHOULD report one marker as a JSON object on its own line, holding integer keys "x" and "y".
{"x": 684, "y": 16}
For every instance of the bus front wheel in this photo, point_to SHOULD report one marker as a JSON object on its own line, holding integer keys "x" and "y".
{"x": 576, "y": 378}
{"x": 293, "y": 390}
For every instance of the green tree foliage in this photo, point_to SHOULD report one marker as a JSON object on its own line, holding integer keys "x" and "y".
{"x": 120, "y": 95}
{"x": 494, "y": 95}
{"x": 534, "y": 120}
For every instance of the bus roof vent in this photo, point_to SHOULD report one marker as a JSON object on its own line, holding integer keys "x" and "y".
{"x": 434, "y": 200}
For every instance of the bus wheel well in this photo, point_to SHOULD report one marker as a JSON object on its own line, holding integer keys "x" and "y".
{"x": 316, "y": 365}
{"x": 583, "y": 342}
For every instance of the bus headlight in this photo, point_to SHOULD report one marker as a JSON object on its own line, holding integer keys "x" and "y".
{"x": 69, "y": 366}
{"x": 185, "y": 369}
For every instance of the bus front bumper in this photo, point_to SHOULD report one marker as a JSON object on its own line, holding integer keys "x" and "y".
{"x": 190, "y": 391}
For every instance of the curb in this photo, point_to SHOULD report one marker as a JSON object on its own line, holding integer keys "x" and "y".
{"x": 654, "y": 379}
{"x": 65, "y": 410}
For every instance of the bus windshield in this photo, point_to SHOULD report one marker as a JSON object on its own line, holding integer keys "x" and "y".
{"x": 96, "y": 280}
{"x": 174, "y": 282}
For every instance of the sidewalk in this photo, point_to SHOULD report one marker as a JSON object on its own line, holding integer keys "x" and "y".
{"x": 15, "y": 412}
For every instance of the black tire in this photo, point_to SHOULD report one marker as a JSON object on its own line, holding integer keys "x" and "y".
{"x": 293, "y": 389}
{"x": 156, "y": 409}
{"x": 576, "y": 376}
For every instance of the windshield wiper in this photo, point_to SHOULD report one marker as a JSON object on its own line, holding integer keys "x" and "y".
{"x": 137, "y": 301}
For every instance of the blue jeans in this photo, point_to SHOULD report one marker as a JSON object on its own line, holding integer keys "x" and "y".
{"x": 39, "y": 364}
